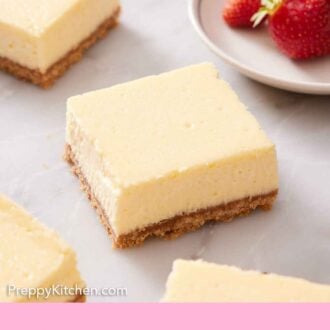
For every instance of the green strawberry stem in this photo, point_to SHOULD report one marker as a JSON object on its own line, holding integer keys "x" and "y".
{"x": 268, "y": 7}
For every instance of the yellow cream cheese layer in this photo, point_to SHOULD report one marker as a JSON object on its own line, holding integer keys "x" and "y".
{"x": 164, "y": 145}
{"x": 38, "y": 33}
{"x": 198, "y": 281}
{"x": 32, "y": 256}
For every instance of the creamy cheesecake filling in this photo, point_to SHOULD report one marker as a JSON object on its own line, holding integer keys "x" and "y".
{"x": 198, "y": 281}
{"x": 168, "y": 145}
{"x": 37, "y": 33}
{"x": 32, "y": 256}
{"x": 18, "y": 46}
{"x": 128, "y": 208}
{"x": 64, "y": 276}
{"x": 92, "y": 166}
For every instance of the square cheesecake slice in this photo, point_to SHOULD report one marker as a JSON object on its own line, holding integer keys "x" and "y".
{"x": 199, "y": 281}
{"x": 41, "y": 39}
{"x": 34, "y": 258}
{"x": 162, "y": 155}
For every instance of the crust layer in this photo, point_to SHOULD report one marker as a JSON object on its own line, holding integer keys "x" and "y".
{"x": 47, "y": 79}
{"x": 178, "y": 225}
{"x": 80, "y": 299}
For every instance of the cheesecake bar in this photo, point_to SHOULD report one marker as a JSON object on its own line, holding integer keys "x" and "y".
{"x": 34, "y": 259}
{"x": 199, "y": 281}
{"x": 41, "y": 39}
{"x": 162, "y": 155}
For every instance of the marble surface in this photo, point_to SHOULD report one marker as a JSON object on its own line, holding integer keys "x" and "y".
{"x": 156, "y": 36}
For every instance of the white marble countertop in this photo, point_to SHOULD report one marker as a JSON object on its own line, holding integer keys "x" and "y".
{"x": 156, "y": 36}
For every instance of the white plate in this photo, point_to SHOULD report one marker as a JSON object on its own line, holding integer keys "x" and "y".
{"x": 255, "y": 55}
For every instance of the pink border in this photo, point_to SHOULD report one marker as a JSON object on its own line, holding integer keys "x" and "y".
{"x": 165, "y": 316}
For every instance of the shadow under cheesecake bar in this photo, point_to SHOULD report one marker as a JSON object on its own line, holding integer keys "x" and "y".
{"x": 162, "y": 155}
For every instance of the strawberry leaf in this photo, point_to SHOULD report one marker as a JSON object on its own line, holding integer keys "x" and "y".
{"x": 268, "y": 7}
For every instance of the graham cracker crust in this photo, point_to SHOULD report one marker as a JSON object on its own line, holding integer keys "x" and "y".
{"x": 47, "y": 79}
{"x": 77, "y": 299}
{"x": 80, "y": 299}
{"x": 178, "y": 225}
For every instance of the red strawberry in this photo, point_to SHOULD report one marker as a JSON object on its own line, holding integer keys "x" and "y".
{"x": 238, "y": 13}
{"x": 300, "y": 28}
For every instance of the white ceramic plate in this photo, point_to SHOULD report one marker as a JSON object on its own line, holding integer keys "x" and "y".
{"x": 254, "y": 54}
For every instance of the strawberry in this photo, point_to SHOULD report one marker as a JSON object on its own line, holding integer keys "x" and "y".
{"x": 300, "y": 28}
{"x": 238, "y": 13}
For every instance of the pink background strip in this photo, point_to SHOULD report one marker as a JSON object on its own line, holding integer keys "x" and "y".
{"x": 165, "y": 316}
